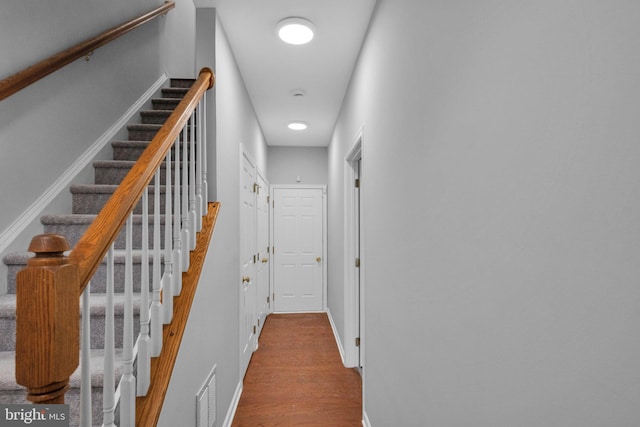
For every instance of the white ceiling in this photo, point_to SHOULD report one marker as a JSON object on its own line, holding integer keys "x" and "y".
{"x": 273, "y": 70}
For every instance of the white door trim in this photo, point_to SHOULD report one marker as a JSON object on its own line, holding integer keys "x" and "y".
{"x": 353, "y": 297}
{"x": 261, "y": 177}
{"x": 274, "y": 187}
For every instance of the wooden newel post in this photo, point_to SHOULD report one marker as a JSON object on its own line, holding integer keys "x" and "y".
{"x": 47, "y": 321}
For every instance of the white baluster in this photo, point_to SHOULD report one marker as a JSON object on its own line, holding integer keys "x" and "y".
{"x": 186, "y": 242}
{"x": 177, "y": 241}
{"x": 143, "y": 368}
{"x": 167, "y": 278}
{"x": 157, "y": 316}
{"x": 128, "y": 381}
{"x": 205, "y": 186}
{"x": 199, "y": 199}
{"x": 192, "y": 184}
{"x": 108, "y": 393}
{"x": 85, "y": 360}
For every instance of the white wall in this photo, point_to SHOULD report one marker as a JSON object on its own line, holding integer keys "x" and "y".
{"x": 502, "y": 197}
{"x": 212, "y": 335}
{"x": 286, "y": 164}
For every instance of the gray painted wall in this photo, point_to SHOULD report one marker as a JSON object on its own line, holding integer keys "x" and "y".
{"x": 502, "y": 202}
{"x": 286, "y": 164}
{"x": 46, "y": 126}
{"x": 212, "y": 335}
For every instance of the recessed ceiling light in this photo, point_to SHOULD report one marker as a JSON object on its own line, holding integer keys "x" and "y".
{"x": 297, "y": 125}
{"x": 295, "y": 30}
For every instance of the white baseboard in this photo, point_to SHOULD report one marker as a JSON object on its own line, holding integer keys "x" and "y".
{"x": 337, "y": 337}
{"x": 365, "y": 420}
{"x": 231, "y": 412}
{"x": 32, "y": 212}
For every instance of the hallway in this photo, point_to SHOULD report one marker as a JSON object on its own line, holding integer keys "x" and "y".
{"x": 296, "y": 377}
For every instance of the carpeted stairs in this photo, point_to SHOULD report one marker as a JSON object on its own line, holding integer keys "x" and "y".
{"x": 87, "y": 202}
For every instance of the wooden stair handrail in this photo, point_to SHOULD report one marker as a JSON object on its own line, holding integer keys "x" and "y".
{"x": 32, "y": 74}
{"x": 95, "y": 242}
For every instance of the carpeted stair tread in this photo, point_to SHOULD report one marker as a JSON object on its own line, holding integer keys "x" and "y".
{"x": 165, "y": 103}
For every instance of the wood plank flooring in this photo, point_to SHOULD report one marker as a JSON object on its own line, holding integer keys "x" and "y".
{"x": 296, "y": 377}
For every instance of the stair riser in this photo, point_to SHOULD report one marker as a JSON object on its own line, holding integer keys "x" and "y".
{"x": 182, "y": 83}
{"x": 92, "y": 203}
{"x": 165, "y": 104}
{"x": 8, "y": 328}
{"x": 115, "y": 175}
{"x": 105, "y": 174}
{"x": 174, "y": 92}
{"x": 147, "y": 135}
{"x": 154, "y": 117}
{"x": 73, "y": 233}
{"x": 97, "y": 330}
{"x": 99, "y": 279}
{"x": 134, "y": 153}
{"x": 142, "y": 135}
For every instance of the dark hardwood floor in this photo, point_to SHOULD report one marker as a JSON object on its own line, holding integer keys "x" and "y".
{"x": 296, "y": 377}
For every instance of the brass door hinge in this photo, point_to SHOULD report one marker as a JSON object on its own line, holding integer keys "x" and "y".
{"x": 255, "y": 187}
{"x": 268, "y": 299}
{"x": 254, "y": 329}
{"x": 357, "y": 182}
{"x": 358, "y": 342}
{"x": 358, "y": 262}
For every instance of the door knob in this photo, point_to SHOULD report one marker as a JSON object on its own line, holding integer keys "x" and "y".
{"x": 264, "y": 260}
{"x": 246, "y": 279}
{"x": 318, "y": 259}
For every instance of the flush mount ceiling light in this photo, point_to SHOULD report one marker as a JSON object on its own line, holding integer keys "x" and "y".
{"x": 295, "y": 30}
{"x": 297, "y": 126}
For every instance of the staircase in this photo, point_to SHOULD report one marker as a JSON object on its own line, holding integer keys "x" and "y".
{"x": 88, "y": 200}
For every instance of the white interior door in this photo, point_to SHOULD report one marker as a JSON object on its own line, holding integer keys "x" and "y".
{"x": 247, "y": 262}
{"x": 262, "y": 266}
{"x": 298, "y": 222}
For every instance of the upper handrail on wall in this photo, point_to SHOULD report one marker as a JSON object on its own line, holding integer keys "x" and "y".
{"x": 32, "y": 74}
